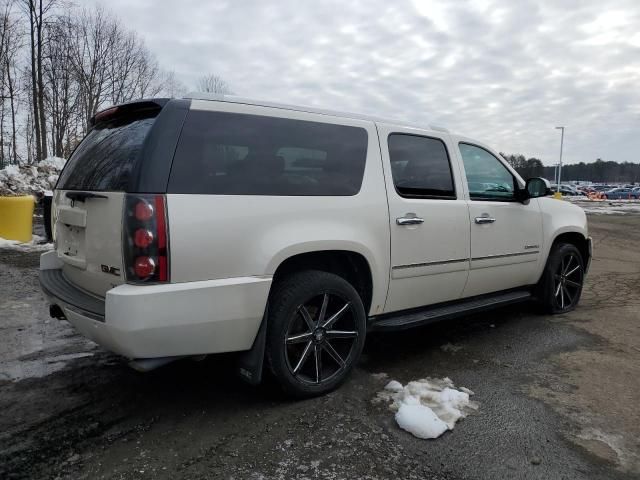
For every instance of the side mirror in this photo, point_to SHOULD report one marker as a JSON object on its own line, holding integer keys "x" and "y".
{"x": 538, "y": 187}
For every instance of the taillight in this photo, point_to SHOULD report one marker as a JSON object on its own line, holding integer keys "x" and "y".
{"x": 146, "y": 241}
{"x": 144, "y": 267}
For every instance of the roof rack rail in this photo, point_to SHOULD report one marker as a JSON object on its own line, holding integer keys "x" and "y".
{"x": 219, "y": 97}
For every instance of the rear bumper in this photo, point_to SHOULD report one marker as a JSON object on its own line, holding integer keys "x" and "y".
{"x": 194, "y": 318}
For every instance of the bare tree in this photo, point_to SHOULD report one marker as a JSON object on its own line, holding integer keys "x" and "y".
{"x": 10, "y": 44}
{"x": 213, "y": 84}
{"x": 134, "y": 72}
{"x": 59, "y": 65}
{"x": 62, "y": 90}
{"x": 37, "y": 12}
{"x": 94, "y": 36}
{"x": 172, "y": 86}
{"x": 112, "y": 65}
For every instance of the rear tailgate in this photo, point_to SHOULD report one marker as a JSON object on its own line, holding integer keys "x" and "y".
{"x": 89, "y": 197}
{"x": 89, "y": 239}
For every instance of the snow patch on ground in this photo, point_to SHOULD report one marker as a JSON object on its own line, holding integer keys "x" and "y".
{"x": 30, "y": 179}
{"x": 429, "y": 407}
{"x": 37, "y": 244}
{"x": 607, "y": 207}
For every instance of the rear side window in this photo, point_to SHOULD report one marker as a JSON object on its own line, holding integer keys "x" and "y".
{"x": 237, "y": 154}
{"x": 420, "y": 166}
{"x": 108, "y": 154}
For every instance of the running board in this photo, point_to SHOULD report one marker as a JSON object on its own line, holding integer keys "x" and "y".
{"x": 424, "y": 316}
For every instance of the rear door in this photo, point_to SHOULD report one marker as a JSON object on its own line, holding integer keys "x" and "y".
{"x": 429, "y": 219}
{"x": 89, "y": 198}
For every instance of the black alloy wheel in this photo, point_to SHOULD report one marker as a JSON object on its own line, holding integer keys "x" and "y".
{"x": 568, "y": 281}
{"x": 315, "y": 334}
{"x": 322, "y": 335}
{"x": 561, "y": 284}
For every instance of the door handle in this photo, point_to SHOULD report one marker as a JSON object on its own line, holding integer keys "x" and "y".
{"x": 409, "y": 220}
{"x": 483, "y": 220}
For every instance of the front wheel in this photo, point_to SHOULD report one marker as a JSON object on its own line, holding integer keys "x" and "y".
{"x": 316, "y": 332}
{"x": 560, "y": 287}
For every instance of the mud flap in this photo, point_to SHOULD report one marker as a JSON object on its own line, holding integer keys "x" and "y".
{"x": 249, "y": 365}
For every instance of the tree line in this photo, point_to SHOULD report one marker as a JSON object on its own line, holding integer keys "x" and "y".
{"x": 59, "y": 65}
{"x": 599, "y": 171}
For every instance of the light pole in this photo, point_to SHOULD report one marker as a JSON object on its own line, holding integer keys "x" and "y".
{"x": 560, "y": 164}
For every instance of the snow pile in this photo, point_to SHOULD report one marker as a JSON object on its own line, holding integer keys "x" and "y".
{"x": 427, "y": 408}
{"x": 36, "y": 244}
{"x": 30, "y": 179}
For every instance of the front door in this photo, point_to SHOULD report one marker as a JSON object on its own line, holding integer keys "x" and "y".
{"x": 506, "y": 235}
{"x": 429, "y": 219}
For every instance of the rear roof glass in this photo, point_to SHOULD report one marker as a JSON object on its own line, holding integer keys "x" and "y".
{"x": 108, "y": 154}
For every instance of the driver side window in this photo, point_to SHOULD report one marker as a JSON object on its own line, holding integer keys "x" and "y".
{"x": 487, "y": 177}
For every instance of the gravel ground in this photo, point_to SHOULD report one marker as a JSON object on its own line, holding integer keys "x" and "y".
{"x": 558, "y": 396}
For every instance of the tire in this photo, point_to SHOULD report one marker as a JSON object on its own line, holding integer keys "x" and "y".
{"x": 561, "y": 284}
{"x": 300, "y": 337}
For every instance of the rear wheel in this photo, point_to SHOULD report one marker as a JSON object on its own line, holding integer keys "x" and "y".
{"x": 316, "y": 331}
{"x": 560, "y": 287}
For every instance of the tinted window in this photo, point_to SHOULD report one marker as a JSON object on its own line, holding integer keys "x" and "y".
{"x": 487, "y": 177}
{"x": 237, "y": 154}
{"x": 106, "y": 157}
{"x": 420, "y": 166}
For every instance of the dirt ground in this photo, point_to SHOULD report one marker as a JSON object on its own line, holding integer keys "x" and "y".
{"x": 559, "y": 396}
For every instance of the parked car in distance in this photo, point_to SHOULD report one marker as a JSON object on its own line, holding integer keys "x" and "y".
{"x": 586, "y": 190}
{"x": 620, "y": 193}
{"x": 565, "y": 190}
{"x": 214, "y": 224}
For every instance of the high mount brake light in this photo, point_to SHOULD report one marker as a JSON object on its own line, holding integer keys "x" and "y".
{"x": 104, "y": 114}
{"x": 145, "y": 239}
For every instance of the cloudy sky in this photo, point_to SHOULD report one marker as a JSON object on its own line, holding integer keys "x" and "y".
{"x": 503, "y": 71}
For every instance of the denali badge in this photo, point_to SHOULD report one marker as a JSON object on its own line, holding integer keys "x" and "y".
{"x": 112, "y": 270}
{"x": 529, "y": 247}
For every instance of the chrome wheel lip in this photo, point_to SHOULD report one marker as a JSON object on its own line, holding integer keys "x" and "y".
{"x": 317, "y": 339}
{"x": 567, "y": 281}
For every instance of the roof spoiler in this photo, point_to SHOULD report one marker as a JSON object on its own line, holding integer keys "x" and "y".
{"x": 137, "y": 106}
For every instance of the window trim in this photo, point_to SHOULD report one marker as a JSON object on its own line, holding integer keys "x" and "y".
{"x": 489, "y": 199}
{"x": 419, "y": 196}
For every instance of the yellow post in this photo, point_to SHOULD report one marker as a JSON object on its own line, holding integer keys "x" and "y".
{"x": 557, "y": 195}
{"x": 16, "y": 218}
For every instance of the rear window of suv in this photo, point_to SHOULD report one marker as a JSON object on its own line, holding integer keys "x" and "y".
{"x": 237, "y": 154}
{"x": 108, "y": 154}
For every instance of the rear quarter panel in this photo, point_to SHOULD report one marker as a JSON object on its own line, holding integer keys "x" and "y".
{"x": 225, "y": 236}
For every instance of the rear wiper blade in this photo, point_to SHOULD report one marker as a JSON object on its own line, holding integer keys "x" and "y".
{"x": 82, "y": 196}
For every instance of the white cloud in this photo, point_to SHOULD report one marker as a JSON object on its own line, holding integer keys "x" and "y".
{"x": 504, "y": 71}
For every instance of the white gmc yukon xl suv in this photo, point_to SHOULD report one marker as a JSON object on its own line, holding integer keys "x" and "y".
{"x": 213, "y": 224}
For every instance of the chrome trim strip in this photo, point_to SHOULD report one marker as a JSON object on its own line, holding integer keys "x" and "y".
{"x": 488, "y": 257}
{"x": 429, "y": 264}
